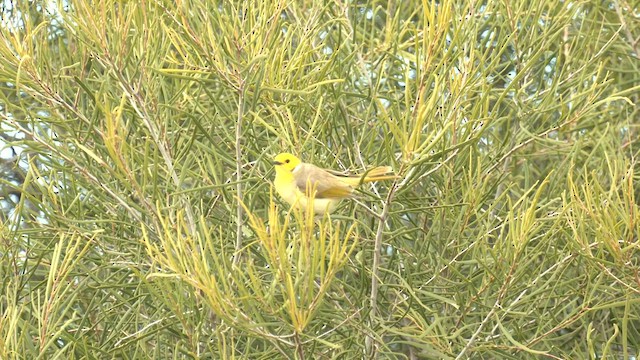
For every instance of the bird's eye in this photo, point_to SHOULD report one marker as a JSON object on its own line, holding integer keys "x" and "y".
{"x": 287, "y": 161}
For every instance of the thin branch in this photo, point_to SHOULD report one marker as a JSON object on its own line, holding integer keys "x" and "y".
{"x": 494, "y": 308}
{"x": 139, "y": 106}
{"x": 633, "y": 42}
{"x": 239, "y": 209}
{"x": 86, "y": 173}
{"x": 375, "y": 268}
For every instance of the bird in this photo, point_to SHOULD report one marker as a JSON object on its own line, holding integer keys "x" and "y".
{"x": 297, "y": 181}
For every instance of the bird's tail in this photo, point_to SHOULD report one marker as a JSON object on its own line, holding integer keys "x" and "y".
{"x": 376, "y": 174}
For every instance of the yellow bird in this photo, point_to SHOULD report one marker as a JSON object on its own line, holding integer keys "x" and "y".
{"x": 295, "y": 180}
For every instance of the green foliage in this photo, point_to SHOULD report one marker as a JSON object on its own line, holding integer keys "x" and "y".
{"x": 138, "y": 219}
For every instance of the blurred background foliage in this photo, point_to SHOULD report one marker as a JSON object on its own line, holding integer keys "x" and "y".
{"x": 138, "y": 219}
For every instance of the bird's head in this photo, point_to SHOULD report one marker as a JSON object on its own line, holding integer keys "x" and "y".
{"x": 286, "y": 161}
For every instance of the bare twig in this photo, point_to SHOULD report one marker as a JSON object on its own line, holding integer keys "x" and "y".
{"x": 239, "y": 209}
{"x": 633, "y": 42}
{"x": 375, "y": 268}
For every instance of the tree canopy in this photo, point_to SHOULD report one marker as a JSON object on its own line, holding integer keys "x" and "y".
{"x": 138, "y": 217}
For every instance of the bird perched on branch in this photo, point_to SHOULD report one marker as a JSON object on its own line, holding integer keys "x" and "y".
{"x": 296, "y": 182}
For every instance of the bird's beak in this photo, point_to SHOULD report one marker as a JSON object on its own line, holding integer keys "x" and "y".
{"x": 276, "y": 163}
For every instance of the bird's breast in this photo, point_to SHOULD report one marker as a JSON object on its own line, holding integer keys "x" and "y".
{"x": 288, "y": 190}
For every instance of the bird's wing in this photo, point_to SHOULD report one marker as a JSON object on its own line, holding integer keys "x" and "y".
{"x": 326, "y": 184}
